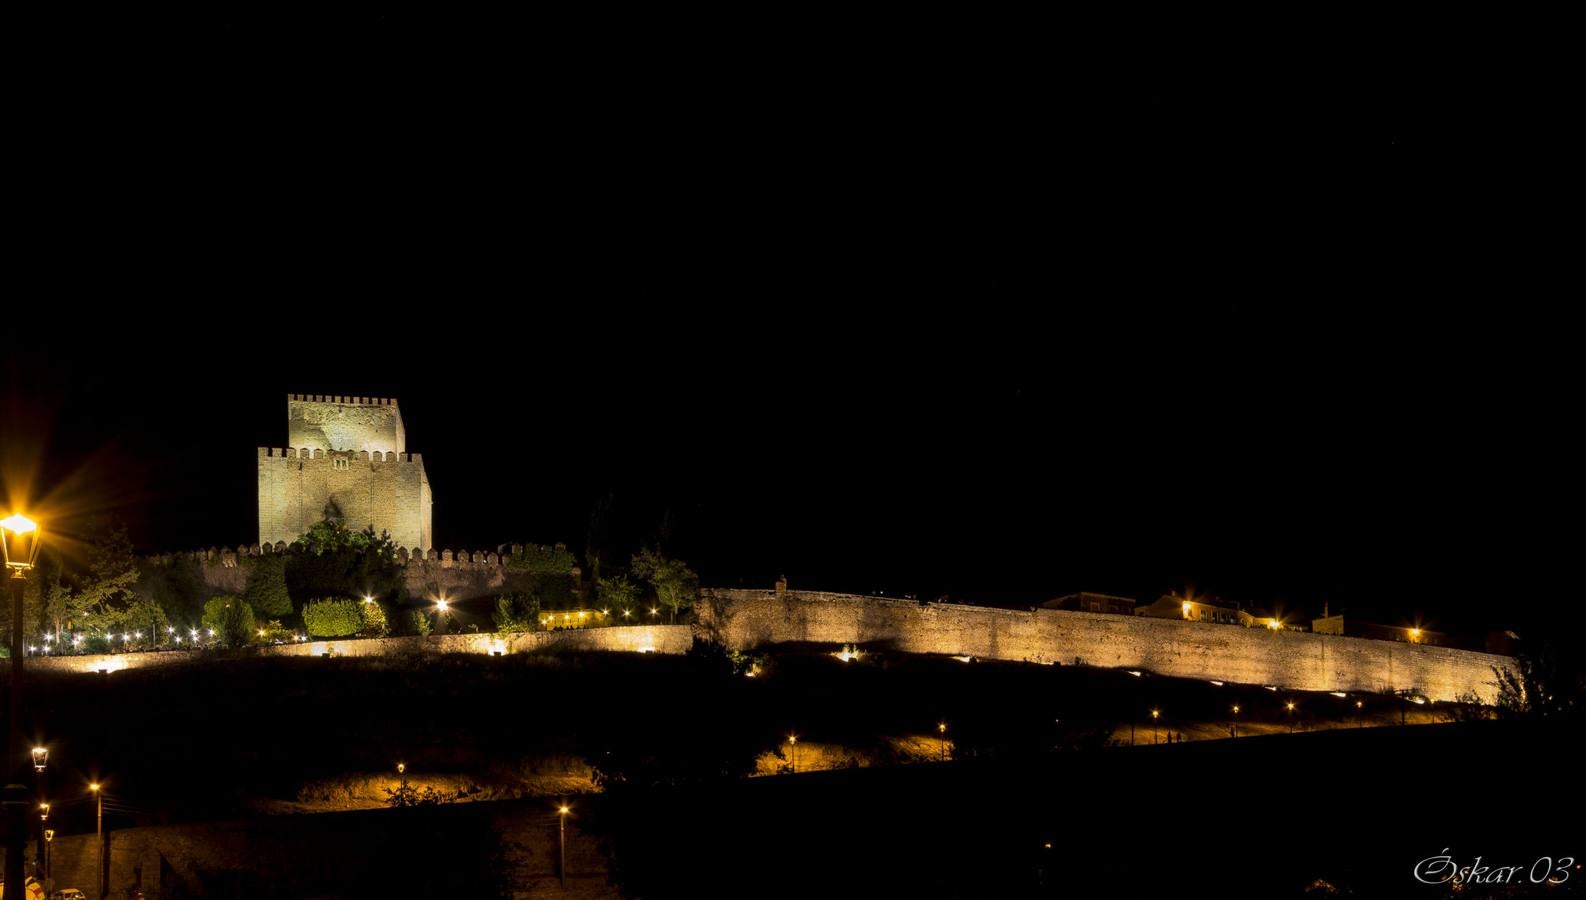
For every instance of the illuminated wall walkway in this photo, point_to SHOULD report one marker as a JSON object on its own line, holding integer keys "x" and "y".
{"x": 743, "y": 619}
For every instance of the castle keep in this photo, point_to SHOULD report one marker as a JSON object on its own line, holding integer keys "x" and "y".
{"x": 348, "y": 457}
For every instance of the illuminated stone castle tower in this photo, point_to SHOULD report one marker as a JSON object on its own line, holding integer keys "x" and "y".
{"x": 347, "y": 457}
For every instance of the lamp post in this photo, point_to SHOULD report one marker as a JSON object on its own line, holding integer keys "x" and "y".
{"x": 941, "y": 729}
{"x": 43, "y": 858}
{"x": 1155, "y": 714}
{"x": 1359, "y": 706}
{"x": 99, "y": 833}
{"x": 1233, "y": 725}
{"x": 1290, "y": 707}
{"x": 561, "y": 836}
{"x": 20, "y": 538}
{"x": 793, "y": 747}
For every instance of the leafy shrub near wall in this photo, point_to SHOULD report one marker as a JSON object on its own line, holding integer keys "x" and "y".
{"x": 230, "y": 619}
{"x": 373, "y": 620}
{"x": 266, "y": 591}
{"x": 332, "y": 618}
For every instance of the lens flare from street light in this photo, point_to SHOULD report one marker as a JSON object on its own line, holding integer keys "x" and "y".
{"x": 442, "y": 605}
{"x": 19, "y": 524}
{"x": 563, "y": 810}
{"x": 94, "y": 787}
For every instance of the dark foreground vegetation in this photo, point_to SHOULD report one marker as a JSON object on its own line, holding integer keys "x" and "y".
{"x": 668, "y": 738}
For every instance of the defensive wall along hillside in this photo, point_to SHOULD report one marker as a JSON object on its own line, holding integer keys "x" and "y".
{"x": 670, "y": 639}
{"x": 744, "y": 619}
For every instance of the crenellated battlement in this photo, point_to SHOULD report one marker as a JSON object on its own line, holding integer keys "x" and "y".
{"x": 348, "y": 453}
{"x": 301, "y": 453}
{"x": 341, "y": 400}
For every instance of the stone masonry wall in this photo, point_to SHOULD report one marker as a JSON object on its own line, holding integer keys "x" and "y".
{"x": 744, "y": 619}
{"x": 387, "y": 490}
{"x": 672, "y": 639}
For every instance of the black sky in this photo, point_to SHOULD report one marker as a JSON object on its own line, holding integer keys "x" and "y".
{"x": 998, "y": 310}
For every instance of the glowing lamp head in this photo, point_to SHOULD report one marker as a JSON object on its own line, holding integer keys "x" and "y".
{"x": 41, "y": 758}
{"x": 19, "y": 540}
{"x": 1359, "y": 704}
{"x": 941, "y": 727}
{"x": 367, "y": 598}
{"x": 94, "y": 787}
{"x": 563, "y": 810}
{"x": 1236, "y": 709}
{"x": 1156, "y": 713}
{"x": 1415, "y": 633}
{"x": 401, "y": 767}
{"x": 1290, "y": 705}
{"x": 442, "y": 605}
{"x": 1187, "y": 607}
{"x": 654, "y": 611}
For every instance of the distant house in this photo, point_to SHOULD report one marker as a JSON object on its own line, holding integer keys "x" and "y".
{"x": 1088, "y": 602}
{"x": 1352, "y": 627}
{"x": 1173, "y": 606}
{"x": 1260, "y": 618}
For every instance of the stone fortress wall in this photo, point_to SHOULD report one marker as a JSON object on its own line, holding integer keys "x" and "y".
{"x": 453, "y": 574}
{"x": 350, "y": 452}
{"x": 745, "y": 619}
{"x": 670, "y": 639}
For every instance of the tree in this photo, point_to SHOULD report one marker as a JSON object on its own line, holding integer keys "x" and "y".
{"x": 552, "y": 568}
{"x": 106, "y": 587}
{"x": 1543, "y": 683}
{"x": 516, "y": 612}
{"x": 618, "y": 594}
{"x": 420, "y": 623}
{"x": 373, "y": 619}
{"x": 266, "y": 592}
{"x": 330, "y": 560}
{"x": 674, "y": 583}
{"x": 230, "y": 619}
{"x": 332, "y": 618}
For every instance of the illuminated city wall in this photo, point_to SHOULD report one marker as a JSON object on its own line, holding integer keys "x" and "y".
{"x": 672, "y": 639}
{"x": 743, "y": 619}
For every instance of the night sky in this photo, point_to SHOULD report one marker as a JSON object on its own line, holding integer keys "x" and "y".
{"x": 878, "y": 307}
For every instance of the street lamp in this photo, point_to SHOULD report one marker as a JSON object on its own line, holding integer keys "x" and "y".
{"x": 1155, "y": 714}
{"x": 99, "y": 833}
{"x": 20, "y": 538}
{"x": 1233, "y": 726}
{"x": 1290, "y": 706}
{"x": 41, "y": 758}
{"x": 793, "y": 745}
{"x": 941, "y": 729}
{"x": 1359, "y": 706}
{"x": 561, "y": 834}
